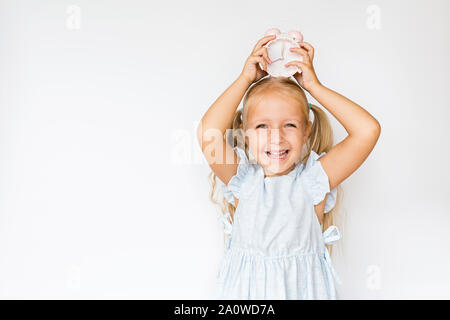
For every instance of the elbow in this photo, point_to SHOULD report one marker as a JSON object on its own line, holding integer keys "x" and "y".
{"x": 377, "y": 128}
{"x": 374, "y": 131}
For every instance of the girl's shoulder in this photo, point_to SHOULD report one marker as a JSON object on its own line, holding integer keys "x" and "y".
{"x": 246, "y": 174}
{"x": 317, "y": 183}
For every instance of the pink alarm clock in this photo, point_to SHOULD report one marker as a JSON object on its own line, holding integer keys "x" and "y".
{"x": 280, "y": 54}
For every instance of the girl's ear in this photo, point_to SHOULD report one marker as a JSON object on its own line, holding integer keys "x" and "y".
{"x": 307, "y": 131}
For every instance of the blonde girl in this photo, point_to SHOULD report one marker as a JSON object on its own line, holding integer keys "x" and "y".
{"x": 280, "y": 174}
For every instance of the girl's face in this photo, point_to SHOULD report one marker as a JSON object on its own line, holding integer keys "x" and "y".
{"x": 275, "y": 132}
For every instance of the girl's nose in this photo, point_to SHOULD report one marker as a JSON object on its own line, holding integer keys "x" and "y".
{"x": 275, "y": 136}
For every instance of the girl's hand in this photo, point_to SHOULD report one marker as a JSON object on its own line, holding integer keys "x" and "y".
{"x": 251, "y": 71}
{"x": 307, "y": 79}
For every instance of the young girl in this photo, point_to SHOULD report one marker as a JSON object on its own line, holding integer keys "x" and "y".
{"x": 280, "y": 177}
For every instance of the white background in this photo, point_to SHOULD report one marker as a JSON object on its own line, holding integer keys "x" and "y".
{"x": 103, "y": 188}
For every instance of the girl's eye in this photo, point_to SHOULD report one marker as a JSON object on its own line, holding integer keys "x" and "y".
{"x": 263, "y": 125}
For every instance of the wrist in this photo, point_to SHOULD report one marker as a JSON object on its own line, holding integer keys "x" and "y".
{"x": 243, "y": 80}
{"x": 315, "y": 87}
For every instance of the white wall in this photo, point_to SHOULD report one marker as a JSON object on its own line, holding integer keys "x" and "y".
{"x": 99, "y": 99}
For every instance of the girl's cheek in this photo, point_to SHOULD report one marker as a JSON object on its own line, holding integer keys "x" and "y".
{"x": 257, "y": 141}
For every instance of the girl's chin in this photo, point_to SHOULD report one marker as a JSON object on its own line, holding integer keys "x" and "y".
{"x": 277, "y": 166}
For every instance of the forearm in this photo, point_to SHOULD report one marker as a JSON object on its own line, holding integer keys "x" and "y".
{"x": 356, "y": 120}
{"x": 221, "y": 112}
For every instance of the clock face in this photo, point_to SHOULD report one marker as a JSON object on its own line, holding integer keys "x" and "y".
{"x": 280, "y": 54}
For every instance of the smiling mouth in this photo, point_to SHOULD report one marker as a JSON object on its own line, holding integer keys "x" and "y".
{"x": 278, "y": 155}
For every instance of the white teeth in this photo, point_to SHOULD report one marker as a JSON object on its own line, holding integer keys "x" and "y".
{"x": 277, "y": 153}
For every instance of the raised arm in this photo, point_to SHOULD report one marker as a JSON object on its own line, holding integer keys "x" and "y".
{"x": 212, "y": 127}
{"x": 362, "y": 128}
{"x": 218, "y": 118}
{"x": 363, "y": 132}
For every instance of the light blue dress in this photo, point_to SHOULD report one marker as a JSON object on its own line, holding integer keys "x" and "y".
{"x": 275, "y": 247}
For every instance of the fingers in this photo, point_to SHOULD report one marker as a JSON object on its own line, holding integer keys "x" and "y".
{"x": 296, "y": 63}
{"x": 303, "y": 53}
{"x": 263, "y": 51}
{"x": 308, "y": 48}
{"x": 260, "y": 59}
{"x": 263, "y": 41}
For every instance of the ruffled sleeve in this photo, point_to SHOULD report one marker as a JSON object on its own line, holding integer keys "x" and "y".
{"x": 317, "y": 183}
{"x": 233, "y": 188}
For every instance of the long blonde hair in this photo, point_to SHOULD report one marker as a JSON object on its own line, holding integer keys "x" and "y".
{"x": 320, "y": 138}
